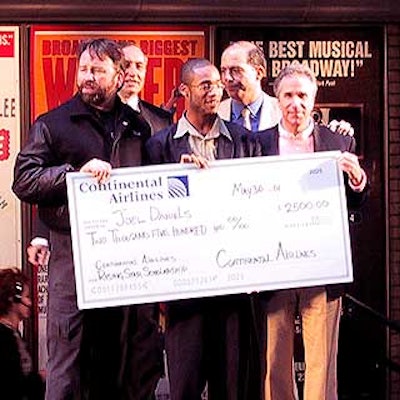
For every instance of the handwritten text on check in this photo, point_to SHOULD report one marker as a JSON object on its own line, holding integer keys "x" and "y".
{"x": 169, "y": 232}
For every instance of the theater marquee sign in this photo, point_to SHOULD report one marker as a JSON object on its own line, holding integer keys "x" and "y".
{"x": 346, "y": 62}
{"x": 53, "y": 50}
{"x": 329, "y": 59}
{"x": 338, "y": 57}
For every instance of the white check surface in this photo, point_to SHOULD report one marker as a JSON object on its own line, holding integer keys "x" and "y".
{"x": 169, "y": 232}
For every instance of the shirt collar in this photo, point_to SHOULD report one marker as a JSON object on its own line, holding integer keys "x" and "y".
{"x": 254, "y": 107}
{"x": 133, "y": 102}
{"x": 304, "y": 134}
{"x": 184, "y": 127}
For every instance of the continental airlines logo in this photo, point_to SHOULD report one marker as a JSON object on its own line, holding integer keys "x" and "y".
{"x": 178, "y": 186}
{"x": 138, "y": 189}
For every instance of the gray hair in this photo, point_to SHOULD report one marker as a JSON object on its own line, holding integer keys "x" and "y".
{"x": 295, "y": 69}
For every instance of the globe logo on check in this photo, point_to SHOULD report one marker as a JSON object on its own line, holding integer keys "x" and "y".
{"x": 178, "y": 186}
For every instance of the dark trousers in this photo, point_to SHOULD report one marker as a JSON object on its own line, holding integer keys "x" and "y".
{"x": 206, "y": 342}
{"x": 142, "y": 356}
{"x": 102, "y": 354}
{"x": 84, "y": 354}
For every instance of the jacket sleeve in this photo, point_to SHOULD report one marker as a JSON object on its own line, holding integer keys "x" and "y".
{"x": 355, "y": 199}
{"x": 37, "y": 177}
{"x": 39, "y": 229}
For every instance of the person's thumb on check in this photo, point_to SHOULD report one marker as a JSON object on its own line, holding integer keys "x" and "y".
{"x": 197, "y": 160}
{"x": 99, "y": 169}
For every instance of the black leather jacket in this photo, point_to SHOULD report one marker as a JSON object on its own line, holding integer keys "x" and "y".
{"x": 63, "y": 140}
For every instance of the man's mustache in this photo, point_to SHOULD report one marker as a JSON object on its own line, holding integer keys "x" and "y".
{"x": 89, "y": 85}
{"x": 236, "y": 86}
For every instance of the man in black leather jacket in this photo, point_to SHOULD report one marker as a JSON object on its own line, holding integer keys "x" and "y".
{"x": 93, "y": 132}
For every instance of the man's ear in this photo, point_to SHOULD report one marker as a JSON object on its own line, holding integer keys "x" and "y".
{"x": 184, "y": 90}
{"x": 120, "y": 79}
{"x": 261, "y": 72}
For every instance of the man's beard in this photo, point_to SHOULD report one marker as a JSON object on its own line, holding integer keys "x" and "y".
{"x": 96, "y": 98}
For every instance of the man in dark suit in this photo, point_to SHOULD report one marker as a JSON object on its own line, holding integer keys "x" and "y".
{"x": 202, "y": 335}
{"x": 319, "y": 307}
{"x": 135, "y": 77}
{"x": 155, "y": 119}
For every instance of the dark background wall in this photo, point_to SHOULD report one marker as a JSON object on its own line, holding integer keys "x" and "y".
{"x": 212, "y": 11}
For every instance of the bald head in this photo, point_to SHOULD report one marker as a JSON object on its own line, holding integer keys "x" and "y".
{"x": 254, "y": 54}
{"x": 243, "y": 66}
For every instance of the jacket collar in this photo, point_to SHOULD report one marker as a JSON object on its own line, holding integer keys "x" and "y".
{"x": 125, "y": 116}
{"x": 321, "y": 142}
{"x": 79, "y": 108}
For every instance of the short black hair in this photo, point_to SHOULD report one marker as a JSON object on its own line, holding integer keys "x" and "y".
{"x": 190, "y": 65}
{"x": 103, "y": 48}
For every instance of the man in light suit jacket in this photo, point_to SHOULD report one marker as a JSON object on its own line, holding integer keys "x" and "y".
{"x": 319, "y": 306}
{"x": 243, "y": 68}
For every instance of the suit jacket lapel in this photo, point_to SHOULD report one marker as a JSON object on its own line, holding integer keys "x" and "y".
{"x": 224, "y": 147}
{"x": 180, "y": 146}
{"x": 270, "y": 113}
{"x": 320, "y": 143}
{"x": 275, "y": 142}
{"x": 148, "y": 117}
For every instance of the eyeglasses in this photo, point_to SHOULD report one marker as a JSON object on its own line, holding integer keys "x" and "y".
{"x": 208, "y": 86}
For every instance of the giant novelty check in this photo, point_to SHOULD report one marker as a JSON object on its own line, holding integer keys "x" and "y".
{"x": 174, "y": 231}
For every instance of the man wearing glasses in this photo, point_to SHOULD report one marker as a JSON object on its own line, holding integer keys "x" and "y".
{"x": 202, "y": 337}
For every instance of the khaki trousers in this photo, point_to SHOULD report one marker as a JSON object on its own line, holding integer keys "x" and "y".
{"x": 320, "y": 322}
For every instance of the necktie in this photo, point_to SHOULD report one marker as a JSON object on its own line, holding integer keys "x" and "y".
{"x": 246, "y": 118}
